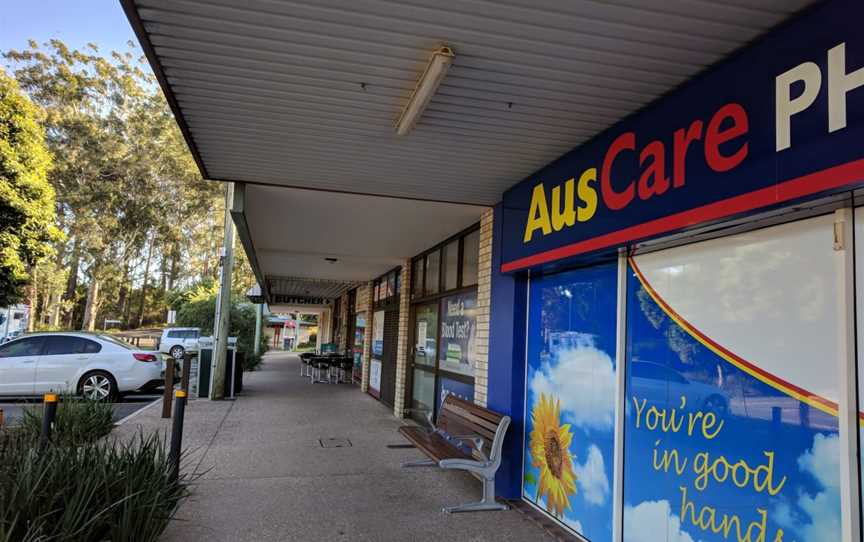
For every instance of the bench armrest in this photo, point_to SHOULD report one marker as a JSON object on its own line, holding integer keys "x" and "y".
{"x": 470, "y": 465}
{"x": 476, "y": 441}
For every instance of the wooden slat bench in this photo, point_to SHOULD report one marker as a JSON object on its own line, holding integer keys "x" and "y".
{"x": 465, "y": 437}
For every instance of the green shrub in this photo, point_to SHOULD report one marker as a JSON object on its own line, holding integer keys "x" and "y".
{"x": 97, "y": 491}
{"x": 78, "y": 421}
{"x": 197, "y": 309}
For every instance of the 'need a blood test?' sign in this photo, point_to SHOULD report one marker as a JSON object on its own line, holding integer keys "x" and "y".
{"x": 781, "y": 121}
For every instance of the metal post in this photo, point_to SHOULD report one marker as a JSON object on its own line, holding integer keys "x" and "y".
{"x": 187, "y": 367}
{"x": 177, "y": 434}
{"x": 49, "y": 414}
{"x": 223, "y": 303}
{"x": 259, "y": 315}
{"x": 169, "y": 387}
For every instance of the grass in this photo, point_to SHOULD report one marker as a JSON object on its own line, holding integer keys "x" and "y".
{"x": 83, "y": 487}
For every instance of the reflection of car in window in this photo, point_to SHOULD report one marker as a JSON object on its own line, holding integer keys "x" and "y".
{"x": 662, "y": 385}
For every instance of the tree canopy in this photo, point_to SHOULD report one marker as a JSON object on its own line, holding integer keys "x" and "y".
{"x": 26, "y": 197}
{"x": 139, "y": 221}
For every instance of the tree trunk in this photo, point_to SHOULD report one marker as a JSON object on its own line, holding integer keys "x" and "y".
{"x": 72, "y": 281}
{"x": 54, "y": 317}
{"x": 92, "y": 305}
{"x": 172, "y": 273}
{"x": 142, "y": 303}
{"x": 123, "y": 294}
{"x": 33, "y": 301}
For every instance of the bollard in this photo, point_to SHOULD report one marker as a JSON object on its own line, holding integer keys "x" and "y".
{"x": 187, "y": 367}
{"x": 177, "y": 434}
{"x": 49, "y": 414}
{"x": 169, "y": 387}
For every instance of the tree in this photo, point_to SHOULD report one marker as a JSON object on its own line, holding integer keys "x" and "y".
{"x": 26, "y": 198}
{"x": 128, "y": 191}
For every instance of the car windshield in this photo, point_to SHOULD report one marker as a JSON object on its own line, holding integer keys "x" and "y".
{"x": 117, "y": 342}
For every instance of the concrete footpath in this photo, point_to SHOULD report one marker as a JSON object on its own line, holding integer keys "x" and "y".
{"x": 265, "y": 476}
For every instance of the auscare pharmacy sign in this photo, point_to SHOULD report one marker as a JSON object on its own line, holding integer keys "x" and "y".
{"x": 781, "y": 121}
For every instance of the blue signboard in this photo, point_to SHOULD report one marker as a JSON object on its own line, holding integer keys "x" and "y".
{"x": 781, "y": 121}
{"x": 462, "y": 390}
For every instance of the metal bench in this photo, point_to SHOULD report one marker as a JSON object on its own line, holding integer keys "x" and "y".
{"x": 465, "y": 437}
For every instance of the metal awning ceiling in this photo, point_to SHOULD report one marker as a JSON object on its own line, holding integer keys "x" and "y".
{"x": 305, "y": 93}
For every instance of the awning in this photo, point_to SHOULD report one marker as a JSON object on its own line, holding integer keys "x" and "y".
{"x": 299, "y": 98}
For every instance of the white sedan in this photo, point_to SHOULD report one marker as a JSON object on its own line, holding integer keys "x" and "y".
{"x": 93, "y": 365}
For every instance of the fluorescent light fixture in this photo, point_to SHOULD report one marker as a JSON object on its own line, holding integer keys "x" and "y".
{"x": 426, "y": 87}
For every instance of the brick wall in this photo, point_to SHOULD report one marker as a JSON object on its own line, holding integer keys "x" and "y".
{"x": 484, "y": 286}
{"x": 364, "y": 304}
{"x": 402, "y": 344}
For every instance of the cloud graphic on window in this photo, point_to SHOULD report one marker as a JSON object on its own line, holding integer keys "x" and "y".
{"x": 819, "y": 517}
{"x": 653, "y": 521}
{"x": 591, "y": 476}
{"x": 583, "y": 378}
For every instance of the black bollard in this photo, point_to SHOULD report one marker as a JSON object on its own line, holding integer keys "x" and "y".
{"x": 187, "y": 367}
{"x": 177, "y": 433}
{"x": 169, "y": 387}
{"x": 49, "y": 414}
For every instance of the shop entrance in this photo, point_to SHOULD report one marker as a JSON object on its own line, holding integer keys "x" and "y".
{"x": 424, "y": 354}
{"x": 388, "y": 359}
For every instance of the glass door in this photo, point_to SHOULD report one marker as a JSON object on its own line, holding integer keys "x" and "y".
{"x": 424, "y": 354}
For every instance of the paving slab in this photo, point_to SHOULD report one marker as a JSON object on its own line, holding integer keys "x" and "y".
{"x": 262, "y": 473}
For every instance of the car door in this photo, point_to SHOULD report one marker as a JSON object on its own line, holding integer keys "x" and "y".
{"x": 62, "y": 358}
{"x": 18, "y": 361}
{"x": 190, "y": 341}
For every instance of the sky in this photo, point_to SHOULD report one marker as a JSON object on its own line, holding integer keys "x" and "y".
{"x": 76, "y": 22}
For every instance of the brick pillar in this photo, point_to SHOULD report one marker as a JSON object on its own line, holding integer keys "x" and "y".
{"x": 402, "y": 348}
{"x": 366, "y": 295}
{"x": 484, "y": 288}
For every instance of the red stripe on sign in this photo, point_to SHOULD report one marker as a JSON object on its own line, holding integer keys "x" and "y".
{"x": 827, "y": 179}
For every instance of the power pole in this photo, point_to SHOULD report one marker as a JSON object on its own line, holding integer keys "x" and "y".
{"x": 222, "y": 321}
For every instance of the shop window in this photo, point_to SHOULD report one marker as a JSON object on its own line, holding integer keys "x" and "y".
{"x": 570, "y": 399}
{"x": 433, "y": 273}
{"x": 417, "y": 278}
{"x": 458, "y": 329}
{"x": 737, "y": 339}
{"x": 470, "y": 258}
{"x": 451, "y": 265}
{"x": 859, "y": 310}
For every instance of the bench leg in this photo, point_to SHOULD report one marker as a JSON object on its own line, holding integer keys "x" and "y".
{"x": 420, "y": 463}
{"x": 487, "y": 504}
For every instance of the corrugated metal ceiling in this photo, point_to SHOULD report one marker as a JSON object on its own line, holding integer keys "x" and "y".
{"x": 305, "y": 93}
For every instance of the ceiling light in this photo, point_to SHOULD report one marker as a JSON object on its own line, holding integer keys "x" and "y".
{"x": 426, "y": 87}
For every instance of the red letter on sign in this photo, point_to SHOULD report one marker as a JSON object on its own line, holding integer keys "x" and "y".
{"x": 679, "y": 152}
{"x": 714, "y": 137}
{"x": 616, "y": 200}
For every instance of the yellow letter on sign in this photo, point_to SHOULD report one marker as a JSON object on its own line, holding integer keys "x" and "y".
{"x": 538, "y": 216}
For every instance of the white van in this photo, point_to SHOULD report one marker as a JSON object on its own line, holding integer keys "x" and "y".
{"x": 176, "y": 341}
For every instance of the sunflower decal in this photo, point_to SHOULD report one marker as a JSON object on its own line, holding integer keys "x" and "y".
{"x": 550, "y": 453}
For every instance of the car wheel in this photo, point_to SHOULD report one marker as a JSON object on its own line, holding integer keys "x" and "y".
{"x": 176, "y": 352}
{"x": 97, "y": 386}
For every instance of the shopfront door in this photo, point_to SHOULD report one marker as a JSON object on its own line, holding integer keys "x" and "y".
{"x": 424, "y": 354}
{"x": 388, "y": 358}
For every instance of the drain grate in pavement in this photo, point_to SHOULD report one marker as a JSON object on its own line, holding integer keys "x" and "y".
{"x": 334, "y": 442}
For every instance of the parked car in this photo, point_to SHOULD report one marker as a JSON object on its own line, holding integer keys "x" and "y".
{"x": 97, "y": 366}
{"x": 176, "y": 341}
{"x": 11, "y": 335}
